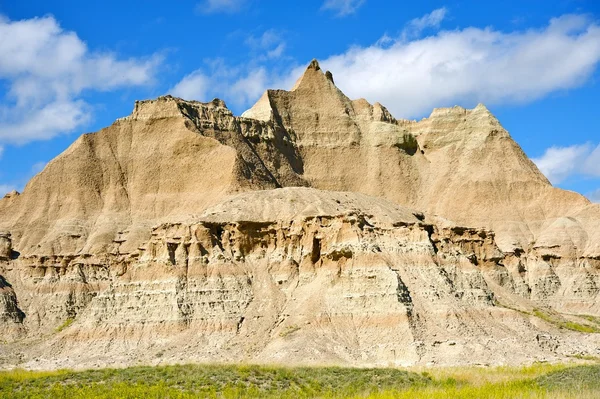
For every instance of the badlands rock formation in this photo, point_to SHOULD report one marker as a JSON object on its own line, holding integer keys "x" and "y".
{"x": 313, "y": 229}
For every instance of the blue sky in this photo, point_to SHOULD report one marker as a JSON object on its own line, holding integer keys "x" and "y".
{"x": 70, "y": 67}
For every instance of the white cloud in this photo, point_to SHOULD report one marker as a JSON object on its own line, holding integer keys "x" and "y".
{"x": 5, "y": 189}
{"x": 411, "y": 77}
{"x": 220, "y": 6}
{"x": 431, "y": 20}
{"x": 268, "y": 45}
{"x": 594, "y": 196}
{"x": 469, "y": 66}
{"x": 559, "y": 163}
{"x": 342, "y": 8}
{"x": 44, "y": 122}
{"x": 277, "y": 51}
{"x": 591, "y": 166}
{"x": 46, "y": 69}
{"x": 38, "y": 167}
{"x": 1, "y": 151}
{"x": 240, "y": 86}
{"x": 194, "y": 86}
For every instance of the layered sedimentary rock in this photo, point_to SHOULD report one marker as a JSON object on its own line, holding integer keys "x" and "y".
{"x": 346, "y": 145}
{"x": 181, "y": 233}
{"x": 169, "y": 159}
{"x": 474, "y": 157}
{"x": 303, "y": 276}
{"x": 457, "y": 163}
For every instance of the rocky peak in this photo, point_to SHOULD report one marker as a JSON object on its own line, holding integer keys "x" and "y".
{"x": 329, "y": 76}
{"x": 472, "y": 127}
{"x": 314, "y": 80}
{"x": 314, "y": 64}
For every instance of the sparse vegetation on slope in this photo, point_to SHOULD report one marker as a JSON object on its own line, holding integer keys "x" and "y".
{"x": 66, "y": 324}
{"x": 192, "y": 381}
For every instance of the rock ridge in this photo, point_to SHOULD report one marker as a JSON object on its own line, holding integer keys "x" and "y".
{"x": 187, "y": 230}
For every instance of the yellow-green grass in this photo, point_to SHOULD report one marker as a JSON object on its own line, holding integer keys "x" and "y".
{"x": 560, "y": 321}
{"x": 566, "y": 324}
{"x": 212, "y": 381}
{"x": 65, "y": 324}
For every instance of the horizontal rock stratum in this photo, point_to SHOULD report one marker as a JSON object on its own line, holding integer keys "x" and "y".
{"x": 313, "y": 229}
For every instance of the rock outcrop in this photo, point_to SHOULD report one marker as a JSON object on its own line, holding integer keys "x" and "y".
{"x": 185, "y": 233}
{"x": 166, "y": 161}
{"x": 355, "y": 146}
{"x": 6, "y": 252}
{"x": 345, "y": 145}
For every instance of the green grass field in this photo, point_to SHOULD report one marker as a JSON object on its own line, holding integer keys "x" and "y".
{"x": 211, "y": 381}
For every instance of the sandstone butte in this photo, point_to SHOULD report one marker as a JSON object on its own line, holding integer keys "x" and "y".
{"x": 313, "y": 229}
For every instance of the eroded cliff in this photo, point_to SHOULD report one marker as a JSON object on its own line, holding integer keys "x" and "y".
{"x": 182, "y": 233}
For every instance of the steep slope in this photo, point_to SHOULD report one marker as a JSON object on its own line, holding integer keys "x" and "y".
{"x": 170, "y": 159}
{"x": 345, "y": 145}
{"x": 463, "y": 165}
{"x": 96, "y": 203}
{"x": 474, "y": 157}
{"x": 177, "y": 231}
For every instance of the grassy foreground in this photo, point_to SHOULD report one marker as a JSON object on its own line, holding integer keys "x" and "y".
{"x": 210, "y": 381}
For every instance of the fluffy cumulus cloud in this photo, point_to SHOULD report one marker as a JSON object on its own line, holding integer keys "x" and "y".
{"x": 411, "y": 74}
{"x": 46, "y": 69}
{"x": 240, "y": 85}
{"x": 470, "y": 65}
{"x": 194, "y": 86}
{"x": 560, "y": 163}
{"x": 220, "y": 6}
{"x": 342, "y": 8}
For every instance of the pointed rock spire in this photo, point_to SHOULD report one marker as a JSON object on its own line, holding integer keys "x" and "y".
{"x": 329, "y": 76}
{"x": 481, "y": 108}
{"x": 314, "y": 76}
{"x": 314, "y": 64}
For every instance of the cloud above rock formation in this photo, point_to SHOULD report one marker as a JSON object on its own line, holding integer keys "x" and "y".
{"x": 46, "y": 69}
{"x": 470, "y": 65}
{"x": 560, "y": 163}
{"x": 269, "y": 45}
{"x": 239, "y": 85}
{"x": 5, "y": 189}
{"x": 412, "y": 76}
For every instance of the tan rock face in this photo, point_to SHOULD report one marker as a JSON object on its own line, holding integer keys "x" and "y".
{"x": 5, "y": 246}
{"x": 430, "y": 164}
{"x": 170, "y": 159}
{"x": 472, "y": 156}
{"x": 169, "y": 232}
{"x": 345, "y": 145}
